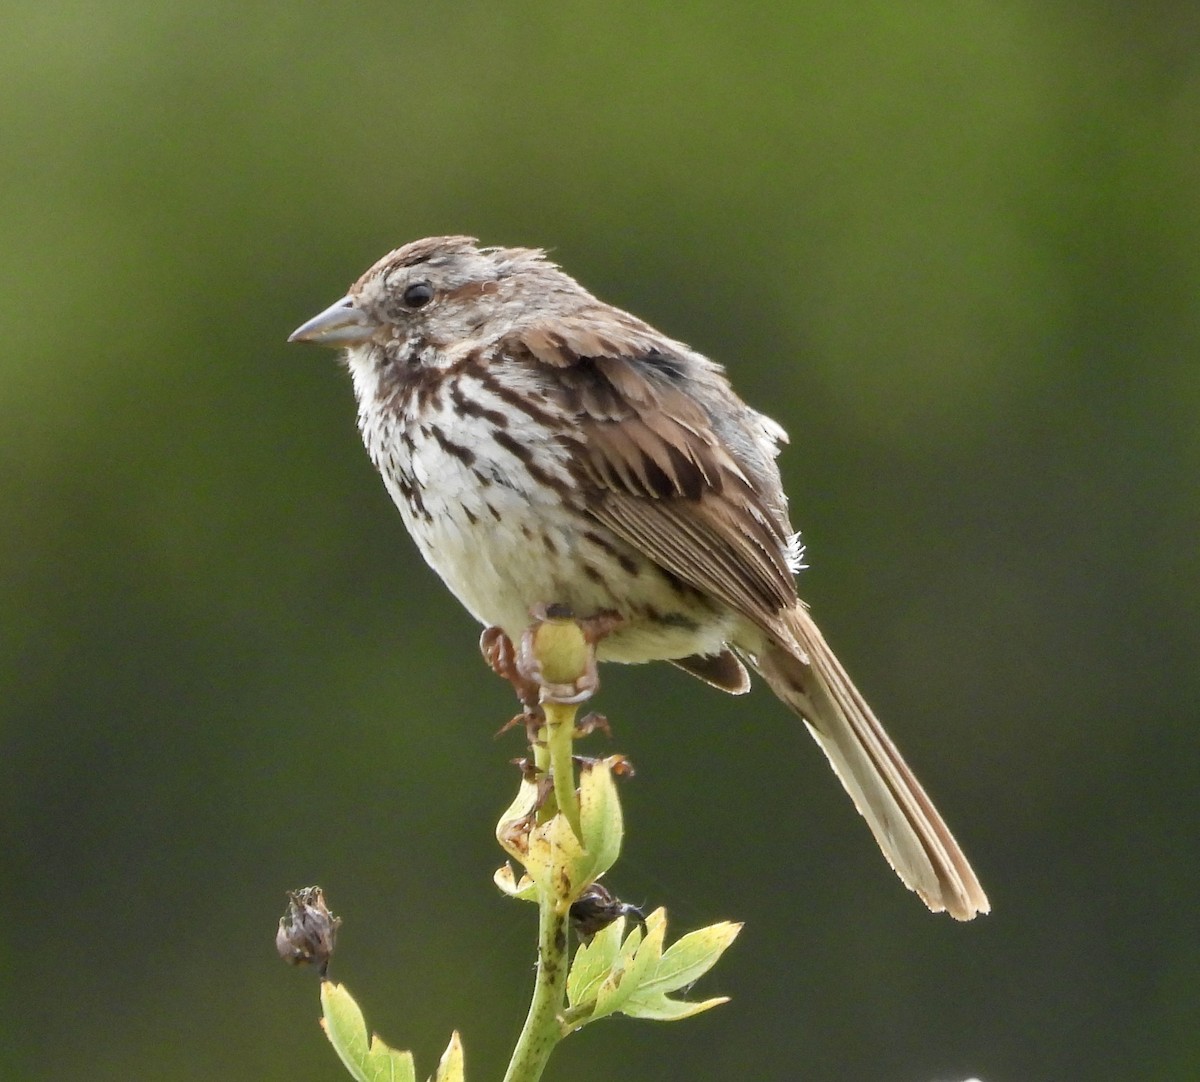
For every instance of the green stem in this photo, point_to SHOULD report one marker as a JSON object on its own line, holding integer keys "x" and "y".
{"x": 542, "y": 1030}
{"x": 561, "y": 648}
{"x": 560, "y": 736}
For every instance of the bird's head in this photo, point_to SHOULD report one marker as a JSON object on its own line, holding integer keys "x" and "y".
{"x": 442, "y": 291}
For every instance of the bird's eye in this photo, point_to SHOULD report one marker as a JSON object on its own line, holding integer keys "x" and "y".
{"x": 418, "y": 295}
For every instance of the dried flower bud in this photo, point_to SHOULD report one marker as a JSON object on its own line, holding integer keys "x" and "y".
{"x": 529, "y": 769}
{"x": 619, "y": 765}
{"x": 590, "y": 723}
{"x": 597, "y": 907}
{"x": 307, "y": 930}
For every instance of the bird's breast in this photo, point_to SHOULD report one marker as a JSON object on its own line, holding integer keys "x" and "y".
{"x": 494, "y": 509}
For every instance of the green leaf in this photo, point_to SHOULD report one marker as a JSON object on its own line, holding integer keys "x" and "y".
{"x": 638, "y": 960}
{"x": 600, "y": 818}
{"x": 690, "y": 957}
{"x": 450, "y": 1067}
{"x": 634, "y": 977}
{"x": 555, "y": 859}
{"x": 367, "y": 1061}
{"x": 558, "y": 862}
{"x": 662, "y": 1009}
{"x": 682, "y": 964}
{"x": 591, "y": 964}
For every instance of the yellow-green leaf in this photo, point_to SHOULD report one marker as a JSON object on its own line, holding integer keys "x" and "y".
{"x": 638, "y": 960}
{"x": 591, "y": 964}
{"x": 600, "y": 818}
{"x": 554, "y": 850}
{"x": 690, "y": 957}
{"x": 367, "y": 1061}
{"x": 662, "y": 1009}
{"x": 513, "y": 841}
{"x": 523, "y": 888}
{"x": 450, "y": 1068}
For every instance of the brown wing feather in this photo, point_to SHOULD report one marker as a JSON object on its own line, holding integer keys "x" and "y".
{"x": 708, "y": 548}
{"x": 658, "y": 474}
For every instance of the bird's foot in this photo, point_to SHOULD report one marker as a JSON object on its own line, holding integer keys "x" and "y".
{"x": 501, "y": 656}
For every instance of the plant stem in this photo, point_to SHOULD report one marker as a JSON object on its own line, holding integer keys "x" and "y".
{"x": 560, "y": 736}
{"x": 563, "y": 652}
{"x": 542, "y": 1030}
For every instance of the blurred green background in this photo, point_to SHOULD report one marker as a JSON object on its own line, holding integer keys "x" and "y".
{"x": 953, "y": 247}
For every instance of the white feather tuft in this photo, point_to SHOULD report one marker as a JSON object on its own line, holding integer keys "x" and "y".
{"x": 794, "y": 553}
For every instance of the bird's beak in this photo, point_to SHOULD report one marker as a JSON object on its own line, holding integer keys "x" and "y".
{"x": 341, "y": 324}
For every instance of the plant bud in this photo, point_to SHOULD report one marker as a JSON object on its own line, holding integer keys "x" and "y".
{"x": 307, "y": 930}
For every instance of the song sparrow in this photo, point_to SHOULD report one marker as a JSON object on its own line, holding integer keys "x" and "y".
{"x": 545, "y": 447}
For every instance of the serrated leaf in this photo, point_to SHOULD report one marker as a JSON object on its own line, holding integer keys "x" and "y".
{"x": 637, "y": 961}
{"x": 639, "y": 975}
{"x": 591, "y": 964}
{"x": 632, "y": 944}
{"x": 450, "y": 1067}
{"x": 684, "y": 962}
{"x": 690, "y": 957}
{"x": 366, "y": 1060}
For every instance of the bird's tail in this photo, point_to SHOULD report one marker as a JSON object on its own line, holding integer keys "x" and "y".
{"x": 908, "y": 828}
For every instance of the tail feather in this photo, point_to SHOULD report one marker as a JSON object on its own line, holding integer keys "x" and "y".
{"x": 914, "y": 839}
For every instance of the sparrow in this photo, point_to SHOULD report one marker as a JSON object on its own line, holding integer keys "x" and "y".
{"x": 543, "y": 446}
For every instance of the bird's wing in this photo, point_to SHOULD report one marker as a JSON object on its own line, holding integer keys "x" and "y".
{"x": 651, "y": 464}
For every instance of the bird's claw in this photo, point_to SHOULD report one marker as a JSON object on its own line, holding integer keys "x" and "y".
{"x": 531, "y": 720}
{"x": 502, "y": 658}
